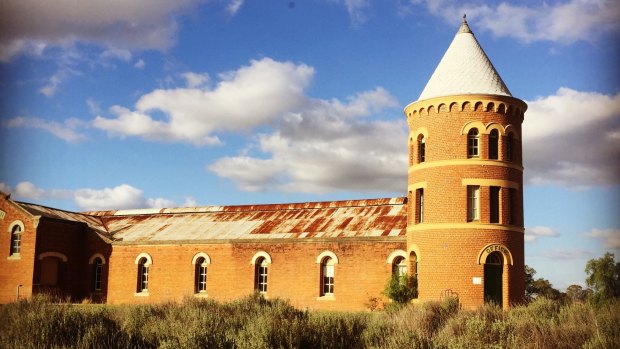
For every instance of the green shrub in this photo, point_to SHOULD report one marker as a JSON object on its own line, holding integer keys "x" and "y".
{"x": 401, "y": 289}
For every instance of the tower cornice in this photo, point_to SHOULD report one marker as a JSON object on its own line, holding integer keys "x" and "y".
{"x": 473, "y": 99}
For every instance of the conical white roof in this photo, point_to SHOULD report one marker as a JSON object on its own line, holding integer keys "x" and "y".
{"x": 464, "y": 69}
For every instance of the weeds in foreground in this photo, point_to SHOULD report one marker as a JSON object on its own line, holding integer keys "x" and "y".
{"x": 254, "y": 322}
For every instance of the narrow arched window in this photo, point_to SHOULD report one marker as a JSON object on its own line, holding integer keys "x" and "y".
{"x": 399, "y": 267}
{"x": 419, "y": 212}
{"x": 261, "y": 270}
{"x": 509, "y": 147}
{"x": 327, "y": 277}
{"x": 200, "y": 275}
{"x": 97, "y": 273}
{"x": 411, "y": 149}
{"x": 421, "y": 148}
{"x": 473, "y": 140}
{"x": 16, "y": 239}
{"x": 493, "y": 145}
{"x": 143, "y": 275}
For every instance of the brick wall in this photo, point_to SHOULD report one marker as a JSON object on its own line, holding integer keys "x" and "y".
{"x": 362, "y": 272}
{"x": 449, "y": 245}
{"x": 16, "y": 270}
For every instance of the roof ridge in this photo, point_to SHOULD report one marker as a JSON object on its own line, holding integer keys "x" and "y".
{"x": 256, "y": 207}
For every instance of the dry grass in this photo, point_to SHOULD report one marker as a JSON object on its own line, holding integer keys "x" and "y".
{"x": 254, "y": 322}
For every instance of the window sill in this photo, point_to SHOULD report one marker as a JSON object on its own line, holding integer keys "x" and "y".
{"x": 142, "y": 294}
{"x": 14, "y": 256}
{"x": 201, "y": 295}
{"x": 329, "y": 297}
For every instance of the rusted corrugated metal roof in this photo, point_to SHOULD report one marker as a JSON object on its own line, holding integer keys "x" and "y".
{"x": 332, "y": 219}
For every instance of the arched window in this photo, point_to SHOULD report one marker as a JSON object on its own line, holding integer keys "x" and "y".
{"x": 200, "y": 275}
{"x": 327, "y": 276}
{"x": 97, "y": 273}
{"x": 419, "y": 212}
{"x": 411, "y": 149}
{"x": 473, "y": 139}
{"x": 143, "y": 275}
{"x": 493, "y": 144}
{"x": 421, "y": 148}
{"x": 261, "y": 269}
{"x": 509, "y": 147}
{"x": 399, "y": 267}
{"x": 16, "y": 239}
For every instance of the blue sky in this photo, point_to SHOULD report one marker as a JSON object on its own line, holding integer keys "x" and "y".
{"x": 155, "y": 103}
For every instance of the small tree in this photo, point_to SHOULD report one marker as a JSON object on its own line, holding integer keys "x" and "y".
{"x": 402, "y": 289}
{"x": 603, "y": 275}
{"x": 530, "y": 288}
{"x": 576, "y": 293}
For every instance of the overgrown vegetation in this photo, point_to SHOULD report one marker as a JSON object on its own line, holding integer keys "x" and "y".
{"x": 402, "y": 289}
{"x": 575, "y": 319}
{"x": 255, "y": 322}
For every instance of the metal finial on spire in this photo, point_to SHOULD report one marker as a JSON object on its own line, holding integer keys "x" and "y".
{"x": 464, "y": 26}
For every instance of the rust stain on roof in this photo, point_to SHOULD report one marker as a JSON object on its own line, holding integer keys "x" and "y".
{"x": 331, "y": 219}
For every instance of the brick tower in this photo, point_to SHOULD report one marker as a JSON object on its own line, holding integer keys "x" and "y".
{"x": 465, "y": 181}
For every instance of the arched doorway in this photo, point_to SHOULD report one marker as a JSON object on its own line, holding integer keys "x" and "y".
{"x": 493, "y": 270}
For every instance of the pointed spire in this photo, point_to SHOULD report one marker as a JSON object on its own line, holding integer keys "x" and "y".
{"x": 464, "y": 26}
{"x": 464, "y": 69}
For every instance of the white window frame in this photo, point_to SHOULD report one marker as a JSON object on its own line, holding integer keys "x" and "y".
{"x": 473, "y": 203}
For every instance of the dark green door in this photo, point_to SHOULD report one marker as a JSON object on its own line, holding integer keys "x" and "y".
{"x": 493, "y": 269}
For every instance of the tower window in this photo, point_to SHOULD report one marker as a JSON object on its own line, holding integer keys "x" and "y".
{"x": 16, "y": 239}
{"x": 473, "y": 140}
{"x": 494, "y": 204}
{"x": 420, "y": 205}
{"x": 411, "y": 150}
{"x": 493, "y": 145}
{"x": 327, "y": 277}
{"x": 200, "y": 275}
{"x": 261, "y": 275}
{"x": 473, "y": 203}
{"x": 421, "y": 148}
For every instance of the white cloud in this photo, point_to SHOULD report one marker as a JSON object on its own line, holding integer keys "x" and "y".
{"x": 160, "y": 203}
{"x": 5, "y": 188}
{"x": 56, "y": 79}
{"x": 326, "y": 146}
{"x": 609, "y": 237}
{"x": 570, "y": 139}
{"x": 28, "y": 191}
{"x": 567, "y": 254}
{"x": 193, "y": 80}
{"x": 240, "y": 101}
{"x": 123, "y": 196}
{"x": 532, "y": 234}
{"x": 561, "y": 21}
{"x": 357, "y": 10}
{"x": 234, "y": 6}
{"x": 189, "y": 202}
{"x": 31, "y": 25}
{"x": 139, "y": 64}
{"x": 117, "y": 53}
{"x": 66, "y": 131}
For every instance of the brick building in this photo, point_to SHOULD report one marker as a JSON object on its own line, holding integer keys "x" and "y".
{"x": 459, "y": 230}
